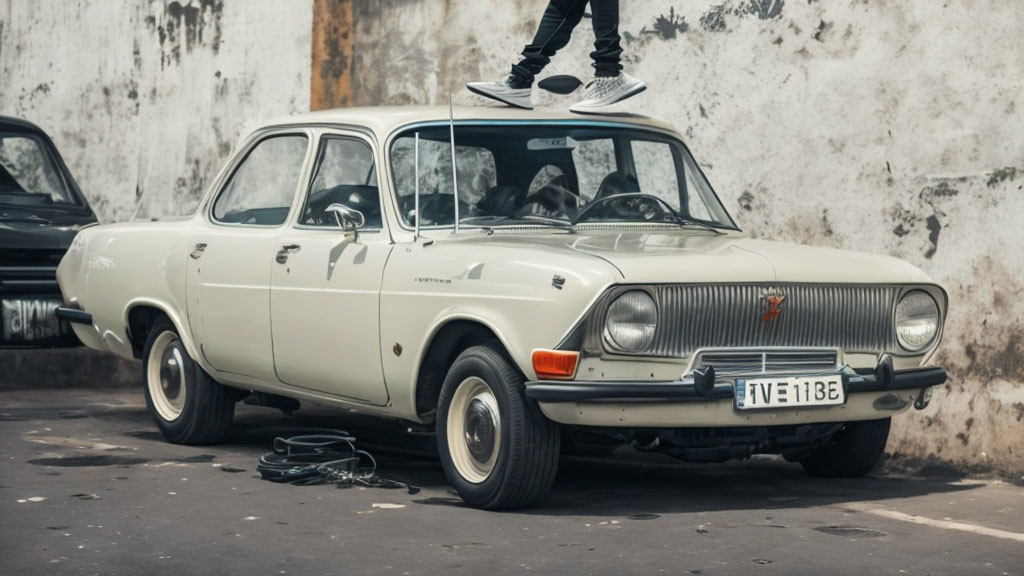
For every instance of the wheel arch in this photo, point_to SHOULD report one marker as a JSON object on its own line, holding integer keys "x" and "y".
{"x": 139, "y": 316}
{"x": 449, "y": 338}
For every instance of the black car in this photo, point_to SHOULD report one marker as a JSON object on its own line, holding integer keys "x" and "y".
{"x": 41, "y": 210}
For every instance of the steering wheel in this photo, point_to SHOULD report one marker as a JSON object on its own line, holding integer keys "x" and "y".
{"x": 647, "y": 206}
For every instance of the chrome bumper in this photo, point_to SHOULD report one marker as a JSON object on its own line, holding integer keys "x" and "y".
{"x": 696, "y": 388}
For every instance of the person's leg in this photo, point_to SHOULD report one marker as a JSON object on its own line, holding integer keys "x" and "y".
{"x": 607, "y": 52}
{"x": 610, "y": 83}
{"x": 553, "y": 34}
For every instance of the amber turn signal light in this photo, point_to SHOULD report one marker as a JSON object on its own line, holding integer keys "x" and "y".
{"x": 555, "y": 364}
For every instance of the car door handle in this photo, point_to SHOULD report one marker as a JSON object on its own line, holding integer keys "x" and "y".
{"x": 282, "y": 254}
{"x": 197, "y": 253}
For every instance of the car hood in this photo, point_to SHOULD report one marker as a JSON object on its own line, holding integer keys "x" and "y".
{"x": 685, "y": 256}
{"x": 37, "y": 235}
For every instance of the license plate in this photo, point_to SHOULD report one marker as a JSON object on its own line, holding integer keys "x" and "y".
{"x": 31, "y": 320}
{"x": 789, "y": 392}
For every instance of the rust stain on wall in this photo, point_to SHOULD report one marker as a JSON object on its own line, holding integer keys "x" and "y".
{"x": 333, "y": 39}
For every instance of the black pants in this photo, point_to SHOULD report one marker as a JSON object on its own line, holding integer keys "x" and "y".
{"x": 553, "y": 35}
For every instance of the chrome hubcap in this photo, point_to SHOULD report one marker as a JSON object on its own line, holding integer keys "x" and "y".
{"x": 474, "y": 430}
{"x": 166, "y": 376}
{"x": 480, "y": 430}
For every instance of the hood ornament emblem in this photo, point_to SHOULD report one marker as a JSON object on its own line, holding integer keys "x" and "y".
{"x": 773, "y": 300}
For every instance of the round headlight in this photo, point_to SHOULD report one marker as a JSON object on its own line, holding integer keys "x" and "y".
{"x": 917, "y": 321}
{"x": 631, "y": 321}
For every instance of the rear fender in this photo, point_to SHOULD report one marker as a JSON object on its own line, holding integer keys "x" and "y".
{"x": 176, "y": 318}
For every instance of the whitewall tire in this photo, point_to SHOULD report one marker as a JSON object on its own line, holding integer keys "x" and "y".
{"x": 187, "y": 405}
{"x": 497, "y": 449}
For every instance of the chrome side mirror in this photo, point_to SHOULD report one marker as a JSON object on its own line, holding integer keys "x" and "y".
{"x": 348, "y": 219}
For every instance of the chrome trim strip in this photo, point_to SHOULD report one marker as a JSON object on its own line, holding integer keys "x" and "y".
{"x": 778, "y": 360}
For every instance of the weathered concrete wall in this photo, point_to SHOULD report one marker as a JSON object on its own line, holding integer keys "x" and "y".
{"x": 890, "y": 127}
{"x": 146, "y": 98}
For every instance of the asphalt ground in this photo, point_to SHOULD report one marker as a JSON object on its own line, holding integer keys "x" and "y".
{"x": 87, "y": 486}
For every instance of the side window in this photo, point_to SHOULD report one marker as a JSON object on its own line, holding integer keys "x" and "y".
{"x": 261, "y": 190}
{"x": 345, "y": 175}
{"x": 656, "y": 171}
{"x": 595, "y": 160}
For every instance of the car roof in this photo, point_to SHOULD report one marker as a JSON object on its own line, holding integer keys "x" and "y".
{"x": 10, "y": 122}
{"x": 383, "y": 120}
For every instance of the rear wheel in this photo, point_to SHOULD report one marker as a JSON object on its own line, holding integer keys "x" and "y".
{"x": 851, "y": 452}
{"x": 497, "y": 450}
{"x": 187, "y": 405}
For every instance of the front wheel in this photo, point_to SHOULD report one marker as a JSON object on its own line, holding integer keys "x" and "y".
{"x": 188, "y": 406}
{"x": 496, "y": 449}
{"x": 851, "y": 452}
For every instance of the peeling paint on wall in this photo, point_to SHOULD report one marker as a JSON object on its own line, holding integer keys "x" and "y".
{"x": 146, "y": 99}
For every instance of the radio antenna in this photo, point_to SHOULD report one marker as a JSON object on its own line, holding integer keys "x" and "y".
{"x": 416, "y": 155}
{"x": 455, "y": 172}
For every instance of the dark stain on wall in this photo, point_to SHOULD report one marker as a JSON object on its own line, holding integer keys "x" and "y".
{"x": 1003, "y": 175}
{"x": 714, "y": 20}
{"x": 746, "y": 201}
{"x": 667, "y": 27}
{"x": 934, "y": 229}
{"x": 999, "y": 357}
{"x": 764, "y": 9}
{"x": 826, "y": 225}
{"x": 927, "y": 212}
{"x": 822, "y": 31}
{"x": 928, "y": 196}
{"x": 187, "y": 25}
{"x": 193, "y": 183}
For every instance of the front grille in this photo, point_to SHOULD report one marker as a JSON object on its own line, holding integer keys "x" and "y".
{"x": 43, "y": 257}
{"x": 735, "y": 362}
{"x": 853, "y": 318}
{"x": 28, "y": 280}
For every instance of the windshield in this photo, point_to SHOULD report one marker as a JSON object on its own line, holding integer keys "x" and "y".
{"x": 511, "y": 174}
{"x": 28, "y": 175}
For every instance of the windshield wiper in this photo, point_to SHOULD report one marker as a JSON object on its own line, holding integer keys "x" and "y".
{"x": 684, "y": 221}
{"x": 545, "y": 220}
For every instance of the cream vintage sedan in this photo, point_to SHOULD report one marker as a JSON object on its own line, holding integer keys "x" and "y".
{"x": 522, "y": 283}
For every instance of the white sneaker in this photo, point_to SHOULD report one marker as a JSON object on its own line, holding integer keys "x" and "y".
{"x": 502, "y": 91}
{"x": 602, "y": 92}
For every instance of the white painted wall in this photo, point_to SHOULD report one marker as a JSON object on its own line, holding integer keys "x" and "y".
{"x": 890, "y": 127}
{"x": 146, "y": 98}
